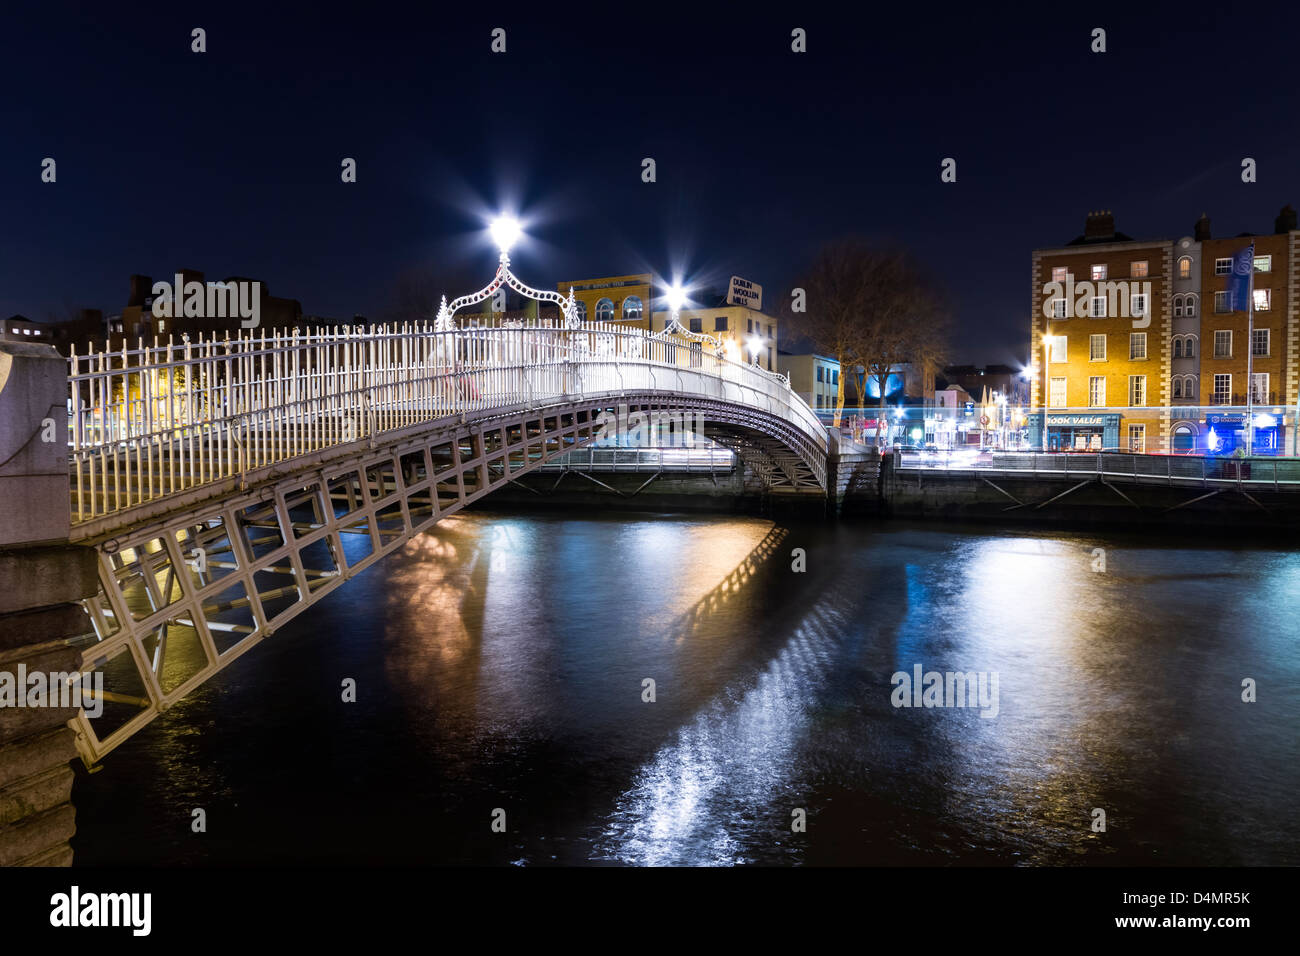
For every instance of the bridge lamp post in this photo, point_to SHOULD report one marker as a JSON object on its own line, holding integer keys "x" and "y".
{"x": 505, "y": 231}
{"x": 755, "y": 345}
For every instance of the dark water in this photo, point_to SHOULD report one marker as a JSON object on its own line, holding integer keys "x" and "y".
{"x": 499, "y": 663}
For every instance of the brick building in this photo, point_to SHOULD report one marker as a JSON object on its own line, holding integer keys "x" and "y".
{"x": 1133, "y": 346}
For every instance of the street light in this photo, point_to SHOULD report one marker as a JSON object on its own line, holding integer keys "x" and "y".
{"x": 505, "y": 231}
{"x": 755, "y": 345}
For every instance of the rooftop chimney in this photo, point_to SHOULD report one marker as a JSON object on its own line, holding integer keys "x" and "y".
{"x": 1201, "y": 232}
{"x": 1285, "y": 221}
{"x": 141, "y": 289}
{"x": 1099, "y": 225}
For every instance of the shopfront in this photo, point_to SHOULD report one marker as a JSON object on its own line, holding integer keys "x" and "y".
{"x": 1225, "y": 432}
{"x": 1076, "y": 432}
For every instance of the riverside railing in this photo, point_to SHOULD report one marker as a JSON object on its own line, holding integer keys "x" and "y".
{"x": 709, "y": 459}
{"x": 1278, "y": 473}
{"x": 157, "y": 420}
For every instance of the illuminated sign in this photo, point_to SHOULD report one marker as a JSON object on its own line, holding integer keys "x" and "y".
{"x": 746, "y": 293}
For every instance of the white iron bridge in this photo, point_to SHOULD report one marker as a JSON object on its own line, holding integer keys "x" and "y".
{"x": 230, "y": 483}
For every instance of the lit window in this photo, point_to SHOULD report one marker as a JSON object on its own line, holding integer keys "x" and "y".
{"x": 1059, "y": 274}
{"x": 1098, "y": 272}
{"x": 1259, "y": 342}
{"x": 604, "y": 310}
{"x": 1222, "y": 389}
{"x": 1223, "y": 267}
{"x": 1097, "y": 390}
{"x": 1058, "y": 348}
{"x": 1056, "y": 394}
{"x": 1185, "y": 267}
{"x": 1137, "y": 346}
{"x": 1223, "y": 343}
{"x": 1263, "y": 263}
{"x": 1138, "y": 270}
{"x": 1262, "y": 299}
{"x": 1259, "y": 388}
{"x": 1058, "y": 308}
{"x": 1097, "y": 348}
{"x": 1137, "y": 305}
{"x": 632, "y": 307}
{"x": 1137, "y": 439}
{"x": 1137, "y": 390}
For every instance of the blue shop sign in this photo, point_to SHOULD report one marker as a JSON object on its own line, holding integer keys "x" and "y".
{"x": 1226, "y": 418}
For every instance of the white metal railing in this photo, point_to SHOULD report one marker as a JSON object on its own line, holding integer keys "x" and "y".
{"x": 1278, "y": 473}
{"x": 708, "y": 459}
{"x": 157, "y": 420}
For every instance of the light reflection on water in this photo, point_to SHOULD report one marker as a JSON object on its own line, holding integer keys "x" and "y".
{"x": 500, "y": 662}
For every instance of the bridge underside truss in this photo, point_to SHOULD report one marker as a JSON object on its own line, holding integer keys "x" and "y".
{"x": 183, "y": 597}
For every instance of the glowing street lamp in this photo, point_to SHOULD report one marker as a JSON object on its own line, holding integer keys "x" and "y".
{"x": 675, "y": 293}
{"x": 505, "y": 231}
{"x": 755, "y": 345}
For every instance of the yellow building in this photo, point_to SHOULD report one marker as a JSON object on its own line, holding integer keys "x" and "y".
{"x": 746, "y": 332}
{"x": 613, "y": 298}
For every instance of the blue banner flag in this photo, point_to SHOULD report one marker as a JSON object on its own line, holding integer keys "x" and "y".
{"x": 1240, "y": 281}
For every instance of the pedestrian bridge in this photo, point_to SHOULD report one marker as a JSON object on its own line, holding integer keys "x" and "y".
{"x": 230, "y": 483}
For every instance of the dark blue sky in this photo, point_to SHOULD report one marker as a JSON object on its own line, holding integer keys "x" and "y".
{"x": 228, "y": 161}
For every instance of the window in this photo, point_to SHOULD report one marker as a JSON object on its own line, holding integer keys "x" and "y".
{"x": 1137, "y": 390}
{"x": 720, "y": 324}
{"x": 697, "y": 325}
{"x": 1223, "y": 343}
{"x": 1056, "y": 396}
{"x": 820, "y": 369}
{"x": 1097, "y": 390}
{"x": 1178, "y": 386}
{"x": 604, "y": 310}
{"x": 1222, "y": 389}
{"x": 1263, "y": 263}
{"x": 1138, "y": 270}
{"x": 1259, "y": 342}
{"x": 632, "y": 307}
{"x": 581, "y": 310}
{"x": 1262, "y": 299}
{"x": 1097, "y": 308}
{"x": 1059, "y": 274}
{"x": 1222, "y": 302}
{"x": 1223, "y": 267}
{"x": 1137, "y": 305}
{"x": 749, "y": 326}
{"x": 1189, "y": 347}
{"x": 1096, "y": 348}
{"x": 1185, "y": 267}
{"x": 1058, "y": 348}
{"x": 1259, "y": 387}
{"x": 1137, "y": 439}
{"x": 1178, "y": 348}
{"x": 1098, "y": 272}
{"x": 835, "y": 376}
{"x": 1178, "y": 305}
{"x": 769, "y": 330}
{"x": 1137, "y": 346}
{"x": 1058, "y": 308}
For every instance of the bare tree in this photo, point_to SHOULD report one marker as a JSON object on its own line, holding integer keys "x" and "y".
{"x": 875, "y": 310}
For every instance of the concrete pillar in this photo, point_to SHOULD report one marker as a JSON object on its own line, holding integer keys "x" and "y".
{"x": 42, "y": 577}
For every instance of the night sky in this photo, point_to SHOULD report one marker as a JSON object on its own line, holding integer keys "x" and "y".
{"x": 229, "y": 161}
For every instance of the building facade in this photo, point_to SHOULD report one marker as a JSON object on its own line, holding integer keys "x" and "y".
{"x": 815, "y": 378}
{"x": 1134, "y": 348}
